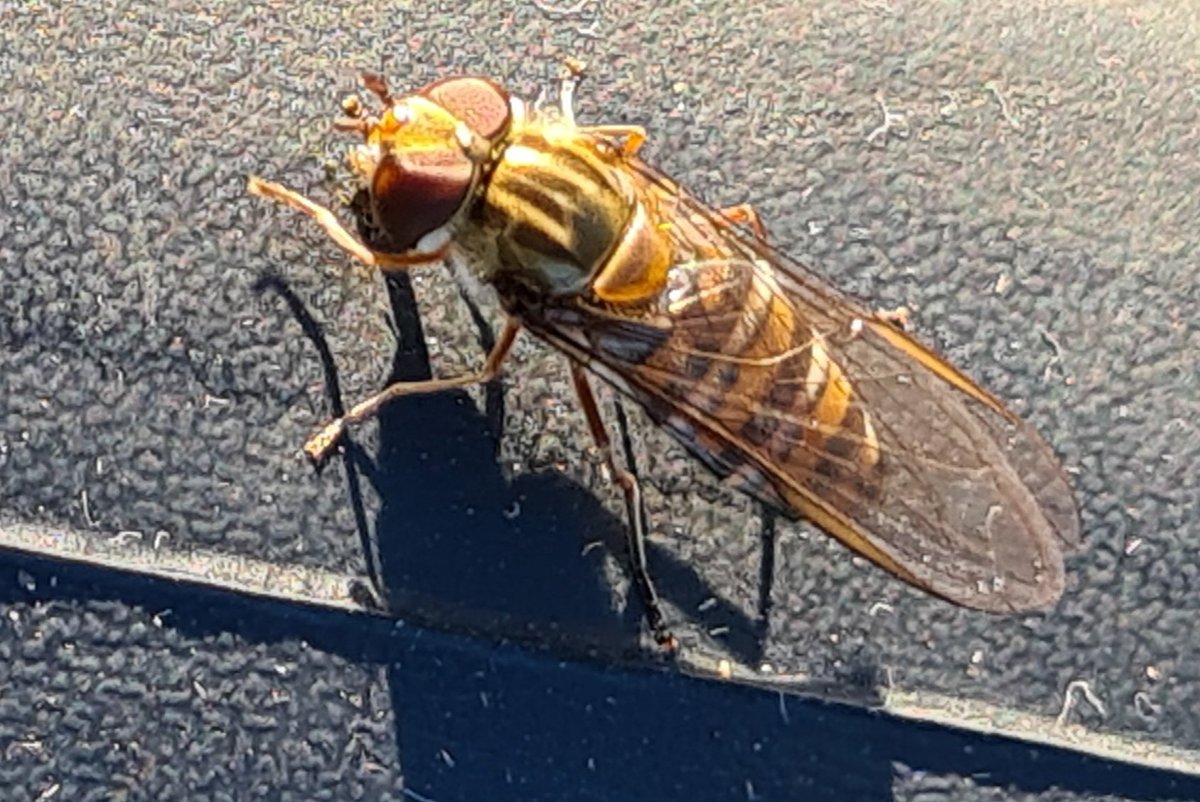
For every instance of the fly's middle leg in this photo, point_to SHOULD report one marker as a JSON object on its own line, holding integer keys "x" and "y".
{"x": 631, "y": 137}
{"x": 569, "y": 76}
{"x": 320, "y": 444}
{"x": 899, "y": 317}
{"x": 746, "y": 215}
{"x": 636, "y": 531}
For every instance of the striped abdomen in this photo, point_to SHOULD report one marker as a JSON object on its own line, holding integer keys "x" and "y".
{"x": 743, "y": 380}
{"x": 763, "y": 373}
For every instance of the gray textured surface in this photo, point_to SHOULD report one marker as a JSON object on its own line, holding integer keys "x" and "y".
{"x": 1037, "y": 209}
{"x": 133, "y": 689}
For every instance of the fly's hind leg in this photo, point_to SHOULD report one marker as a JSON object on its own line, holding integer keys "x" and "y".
{"x": 900, "y": 317}
{"x": 636, "y": 531}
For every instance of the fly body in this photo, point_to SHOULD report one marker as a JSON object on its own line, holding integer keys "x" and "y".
{"x": 780, "y": 384}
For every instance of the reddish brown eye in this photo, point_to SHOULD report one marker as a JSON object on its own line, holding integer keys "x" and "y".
{"x": 478, "y": 102}
{"x": 419, "y": 192}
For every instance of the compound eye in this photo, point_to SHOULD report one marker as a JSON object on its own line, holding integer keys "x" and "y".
{"x": 478, "y": 102}
{"x": 417, "y": 193}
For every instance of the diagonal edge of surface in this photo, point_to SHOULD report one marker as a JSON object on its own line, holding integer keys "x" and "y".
{"x": 128, "y": 552}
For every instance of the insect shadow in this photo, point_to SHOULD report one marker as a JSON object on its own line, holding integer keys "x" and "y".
{"x": 457, "y": 544}
{"x": 540, "y": 715}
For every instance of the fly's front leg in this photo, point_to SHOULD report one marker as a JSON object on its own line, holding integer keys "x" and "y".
{"x": 636, "y": 532}
{"x": 337, "y": 232}
{"x": 323, "y": 441}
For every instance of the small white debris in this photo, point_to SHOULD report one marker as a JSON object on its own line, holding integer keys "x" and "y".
{"x": 1069, "y": 700}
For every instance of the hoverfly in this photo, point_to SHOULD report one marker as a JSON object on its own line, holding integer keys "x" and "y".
{"x": 780, "y": 384}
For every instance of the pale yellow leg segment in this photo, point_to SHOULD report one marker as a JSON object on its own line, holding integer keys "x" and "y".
{"x": 320, "y": 444}
{"x": 337, "y": 232}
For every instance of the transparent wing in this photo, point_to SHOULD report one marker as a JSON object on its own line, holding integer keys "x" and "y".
{"x": 802, "y": 397}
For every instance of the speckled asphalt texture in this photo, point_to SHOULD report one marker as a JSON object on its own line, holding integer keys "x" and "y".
{"x": 1033, "y": 200}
